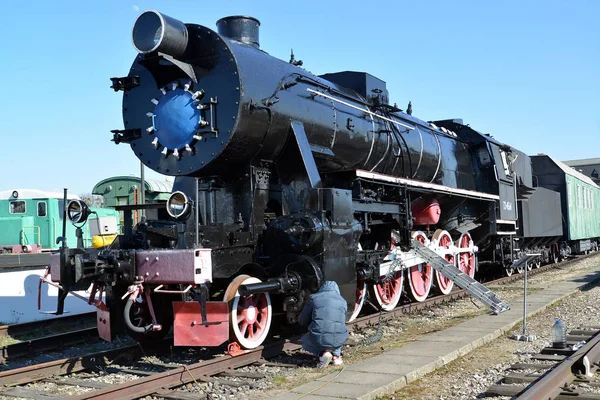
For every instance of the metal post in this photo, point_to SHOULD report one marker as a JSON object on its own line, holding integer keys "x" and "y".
{"x": 524, "y": 337}
{"x": 525, "y": 300}
{"x": 197, "y": 211}
{"x": 143, "y": 188}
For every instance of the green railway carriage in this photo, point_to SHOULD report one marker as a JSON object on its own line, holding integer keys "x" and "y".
{"x": 580, "y": 198}
{"x": 31, "y": 220}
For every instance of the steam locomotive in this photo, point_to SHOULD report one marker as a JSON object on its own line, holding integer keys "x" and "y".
{"x": 284, "y": 180}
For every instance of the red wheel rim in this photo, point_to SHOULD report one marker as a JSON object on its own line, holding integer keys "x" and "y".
{"x": 466, "y": 261}
{"x": 420, "y": 276}
{"x": 252, "y": 316}
{"x": 390, "y": 291}
{"x": 445, "y": 283}
{"x": 360, "y": 295}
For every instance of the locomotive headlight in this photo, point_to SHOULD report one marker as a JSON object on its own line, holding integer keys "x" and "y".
{"x": 154, "y": 31}
{"x": 178, "y": 205}
{"x": 77, "y": 211}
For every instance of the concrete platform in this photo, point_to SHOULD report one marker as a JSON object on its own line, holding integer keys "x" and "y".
{"x": 386, "y": 373}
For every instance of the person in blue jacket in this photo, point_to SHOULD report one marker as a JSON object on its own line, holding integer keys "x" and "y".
{"x": 327, "y": 332}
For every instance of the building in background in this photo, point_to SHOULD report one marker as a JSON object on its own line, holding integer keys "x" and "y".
{"x": 126, "y": 190}
{"x": 587, "y": 166}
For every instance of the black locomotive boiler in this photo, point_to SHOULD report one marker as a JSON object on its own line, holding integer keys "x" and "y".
{"x": 284, "y": 180}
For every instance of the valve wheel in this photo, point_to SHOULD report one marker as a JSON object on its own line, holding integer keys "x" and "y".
{"x": 250, "y": 316}
{"x": 420, "y": 277}
{"x": 444, "y": 285}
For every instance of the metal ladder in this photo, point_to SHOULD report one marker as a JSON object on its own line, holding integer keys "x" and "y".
{"x": 474, "y": 288}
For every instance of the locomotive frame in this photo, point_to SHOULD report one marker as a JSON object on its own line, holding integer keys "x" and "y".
{"x": 285, "y": 180}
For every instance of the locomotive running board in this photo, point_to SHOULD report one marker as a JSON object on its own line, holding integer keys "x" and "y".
{"x": 474, "y": 288}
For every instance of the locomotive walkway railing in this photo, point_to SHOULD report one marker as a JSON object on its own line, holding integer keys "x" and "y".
{"x": 464, "y": 281}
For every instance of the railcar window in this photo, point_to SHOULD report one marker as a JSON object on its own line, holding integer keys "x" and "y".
{"x": 484, "y": 156}
{"x": 585, "y": 199}
{"x": 569, "y": 194}
{"x": 505, "y": 163}
{"x": 42, "y": 210}
{"x": 17, "y": 207}
{"x": 579, "y": 197}
{"x": 61, "y": 208}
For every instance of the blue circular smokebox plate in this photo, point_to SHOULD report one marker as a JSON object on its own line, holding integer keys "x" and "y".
{"x": 176, "y": 119}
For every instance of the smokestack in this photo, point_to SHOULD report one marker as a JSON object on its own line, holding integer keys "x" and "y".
{"x": 240, "y": 28}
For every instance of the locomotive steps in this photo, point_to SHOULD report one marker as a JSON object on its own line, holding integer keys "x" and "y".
{"x": 392, "y": 370}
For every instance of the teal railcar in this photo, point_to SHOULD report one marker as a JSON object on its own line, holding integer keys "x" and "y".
{"x": 31, "y": 220}
{"x": 580, "y": 198}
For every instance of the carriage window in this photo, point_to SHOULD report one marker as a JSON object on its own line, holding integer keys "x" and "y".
{"x": 42, "y": 209}
{"x": 569, "y": 194}
{"x": 17, "y": 207}
{"x": 587, "y": 199}
{"x": 579, "y": 197}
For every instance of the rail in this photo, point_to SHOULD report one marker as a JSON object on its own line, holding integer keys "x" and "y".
{"x": 179, "y": 375}
{"x": 552, "y": 384}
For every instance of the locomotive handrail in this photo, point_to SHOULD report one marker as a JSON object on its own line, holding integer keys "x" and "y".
{"x": 53, "y": 230}
{"x": 31, "y": 227}
{"x": 184, "y": 291}
{"x": 359, "y": 109}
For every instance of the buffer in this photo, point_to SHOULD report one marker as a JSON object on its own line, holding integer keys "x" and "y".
{"x": 474, "y": 288}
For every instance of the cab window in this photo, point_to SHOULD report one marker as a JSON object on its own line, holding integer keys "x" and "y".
{"x": 17, "y": 207}
{"x": 42, "y": 209}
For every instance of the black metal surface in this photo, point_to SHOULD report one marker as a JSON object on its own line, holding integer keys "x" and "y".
{"x": 154, "y": 31}
{"x": 257, "y": 97}
{"x": 240, "y": 28}
{"x": 541, "y": 216}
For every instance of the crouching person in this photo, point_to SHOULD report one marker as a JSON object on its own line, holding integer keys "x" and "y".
{"x": 327, "y": 332}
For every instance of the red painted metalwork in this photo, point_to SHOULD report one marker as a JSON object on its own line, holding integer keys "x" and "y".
{"x": 420, "y": 277}
{"x": 234, "y": 349}
{"x": 388, "y": 292}
{"x": 444, "y": 284}
{"x": 166, "y": 266}
{"x": 188, "y": 326}
{"x": 51, "y": 282}
{"x": 466, "y": 261}
{"x": 250, "y": 316}
{"x": 42, "y": 280}
{"x": 103, "y": 319}
{"x": 426, "y": 211}
{"x": 26, "y": 248}
{"x": 361, "y": 292}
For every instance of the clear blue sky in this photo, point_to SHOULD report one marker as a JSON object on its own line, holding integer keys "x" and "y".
{"x": 527, "y": 72}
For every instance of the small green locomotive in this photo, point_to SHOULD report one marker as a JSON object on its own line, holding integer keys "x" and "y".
{"x": 31, "y": 222}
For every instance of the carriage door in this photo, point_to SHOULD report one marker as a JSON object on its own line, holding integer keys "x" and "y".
{"x": 506, "y": 189}
{"x": 43, "y": 224}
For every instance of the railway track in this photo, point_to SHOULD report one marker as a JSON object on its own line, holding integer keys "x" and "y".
{"x": 28, "y": 328}
{"x": 218, "y": 368}
{"x": 39, "y": 336}
{"x": 565, "y": 374}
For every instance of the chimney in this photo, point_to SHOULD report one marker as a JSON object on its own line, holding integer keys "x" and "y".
{"x": 240, "y": 28}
